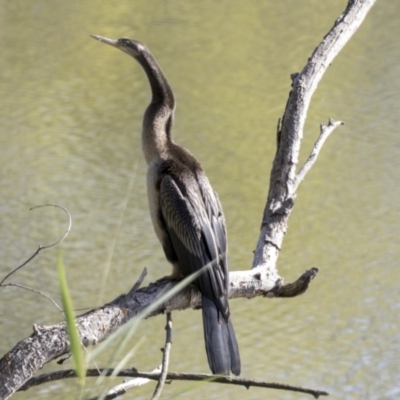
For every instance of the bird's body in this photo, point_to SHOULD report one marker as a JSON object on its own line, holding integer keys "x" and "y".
{"x": 186, "y": 213}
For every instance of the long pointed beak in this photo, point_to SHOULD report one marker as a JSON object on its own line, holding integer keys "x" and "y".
{"x": 111, "y": 42}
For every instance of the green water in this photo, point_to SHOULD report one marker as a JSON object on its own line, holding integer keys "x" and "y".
{"x": 70, "y": 117}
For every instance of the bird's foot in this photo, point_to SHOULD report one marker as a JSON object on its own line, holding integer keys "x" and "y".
{"x": 173, "y": 277}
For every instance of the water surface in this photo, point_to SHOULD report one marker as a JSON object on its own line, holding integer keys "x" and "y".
{"x": 70, "y": 117}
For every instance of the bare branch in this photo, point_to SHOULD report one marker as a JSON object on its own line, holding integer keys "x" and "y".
{"x": 35, "y": 291}
{"x": 48, "y": 343}
{"x": 138, "y": 283}
{"x": 165, "y": 361}
{"x": 51, "y": 342}
{"x": 40, "y": 248}
{"x": 171, "y": 376}
{"x": 283, "y": 178}
{"x": 121, "y": 389}
{"x": 296, "y": 288}
{"x": 69, "y": 224}
{"x": 325, "y": 131}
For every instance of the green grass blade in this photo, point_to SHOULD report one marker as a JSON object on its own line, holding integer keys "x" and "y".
{"x": 76, "y": 348}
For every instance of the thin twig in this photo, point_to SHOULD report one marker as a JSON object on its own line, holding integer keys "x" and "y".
{"x": 35, "y": 291}
{"x": 140, "y": 280}
{"x": 165, "y": 361}
{"x": 325, "y": 131}
{"x": 40, "y": 248}
{"x": 121, "y": 389}
{"x": 229, "y": 380}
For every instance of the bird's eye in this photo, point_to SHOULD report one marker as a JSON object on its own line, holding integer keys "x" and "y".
{"x": 124, "y": 42}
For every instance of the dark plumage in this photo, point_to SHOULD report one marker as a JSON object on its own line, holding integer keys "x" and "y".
{"x": 186, "y": 213}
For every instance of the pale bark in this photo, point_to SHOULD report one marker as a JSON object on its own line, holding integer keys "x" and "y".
{"x": 284, "y": 179}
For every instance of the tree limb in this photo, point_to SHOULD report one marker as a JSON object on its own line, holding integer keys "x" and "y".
{"x": 165, "y": 361}
{"x": 48, "y": 343}
{"x": 325, "y": 131}
{"x": 171, "y": 376}
{"x": 284, "y": 180}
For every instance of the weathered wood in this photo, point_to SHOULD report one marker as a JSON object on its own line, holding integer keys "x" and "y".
{"x": 48, "y": 343}
{"x": 284, "y": 179}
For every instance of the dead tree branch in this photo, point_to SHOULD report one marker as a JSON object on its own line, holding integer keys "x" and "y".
{"x": 284, "y": 179}
{"x": 48, "y": 343}
{"x": 171, "y": 376}
{"x": 40, "y": 248}
{"x": 165, "y": 362}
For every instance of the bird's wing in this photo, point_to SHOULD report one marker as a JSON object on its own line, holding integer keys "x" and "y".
{"x": 216, "y": 217}
{"x": 196, "y": 227}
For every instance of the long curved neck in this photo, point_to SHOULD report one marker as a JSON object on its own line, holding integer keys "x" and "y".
{"x": 158, "y": 118}
{"x": 160, "y": 88}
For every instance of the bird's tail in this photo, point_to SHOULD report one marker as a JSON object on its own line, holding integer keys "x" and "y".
{"x": 221, "y": 344}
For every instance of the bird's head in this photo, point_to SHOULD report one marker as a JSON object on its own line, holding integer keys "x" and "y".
{"x": 132, "y": 47}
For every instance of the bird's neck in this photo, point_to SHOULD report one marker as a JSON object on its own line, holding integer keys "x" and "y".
{"x": 158, "y": 118}
{"x": 160, "y": 88}
{"x": 156, "y": 132}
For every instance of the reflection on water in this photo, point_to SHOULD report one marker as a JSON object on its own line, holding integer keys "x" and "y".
{"x": 70, "y": 115}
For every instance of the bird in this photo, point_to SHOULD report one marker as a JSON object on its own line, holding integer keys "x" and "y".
{"x": 186, "y": 213}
